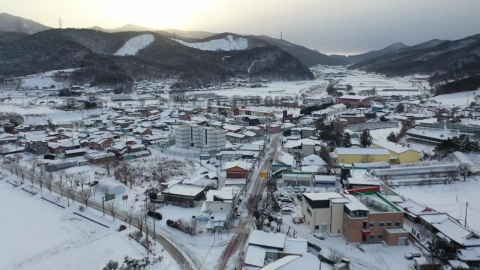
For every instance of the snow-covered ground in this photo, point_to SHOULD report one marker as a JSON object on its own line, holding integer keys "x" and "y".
{"x": 457, "y": 99}
{"x": 39, "y": 235}
{"x": 132, "y": 46}
{"x": 230, "y": 43}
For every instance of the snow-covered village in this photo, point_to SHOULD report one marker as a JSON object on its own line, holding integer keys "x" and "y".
{"x": 255, "y": 156}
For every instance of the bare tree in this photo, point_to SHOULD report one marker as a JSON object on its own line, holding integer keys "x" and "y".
{"x": 70, "y": 178}
{"x": 23, "y": 173}
{"x": 94, "y": 189}
{"x": 253, "y": 206}
{"x": 71, "y": 194}
{"x": 82, "y": 178}
{"x": 335, "y": 257}
{"x": 41, "y": 178}
{"x": 131, "y": 176}
{"x": 49, "y": 181}
{"x": 105, "y": 189}
{"x": 112, "y": 208}
{"x": 464, "y": 169}
{"x": 61, "y": 186}
{"x": 33, "y": 169}
{"x": 108, "y": 164}
{"x": 85, "y": 196}
{"x": 140, "y": 219}
{"x": 61, "y": 175}
{"x": 130, "y": 214}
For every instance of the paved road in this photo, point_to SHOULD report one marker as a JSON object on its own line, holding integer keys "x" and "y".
{"x": 239, "y": 241}
{"x": 180, "y": 254}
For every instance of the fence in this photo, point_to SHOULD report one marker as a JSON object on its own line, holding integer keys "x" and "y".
{"x": 371, "y": 126}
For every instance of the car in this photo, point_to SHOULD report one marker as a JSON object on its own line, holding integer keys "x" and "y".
{"x": 155, "y": 215}
{"x": 317, "y": 190}
{"x": 286, "y": 200}
{"x": 411, "y": 255}
{"x": 296, "y": 190}
{"x": 94, "y": 183}
{"x": 319, "y": 236}
{"x": 299, "y": 196}
{"x": 289, "y": 190}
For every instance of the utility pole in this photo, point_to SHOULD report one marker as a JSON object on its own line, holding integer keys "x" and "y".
{"x": 281, "y": 39}
{"x": 466, "y": 210}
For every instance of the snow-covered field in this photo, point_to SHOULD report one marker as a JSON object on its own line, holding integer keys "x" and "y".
{"x": 230, "y": 43}
{"x": 39, "y": 235}
{"x": 132, "y": 46}
{"x": 457, "y": 99}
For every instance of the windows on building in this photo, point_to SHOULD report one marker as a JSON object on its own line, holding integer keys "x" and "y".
{"x": 371, "y": 225}
{"x": 317, "y": 227}
{"x": 372, "y": 237}
{"x": 381, "y": 224}
{"x": 397, "y": 223}
{"x": 380, "y": 236}
{"x": 389, "y": 224}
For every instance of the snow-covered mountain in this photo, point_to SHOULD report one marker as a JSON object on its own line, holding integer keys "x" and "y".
{"x": 10, "y": 23}
{"x": 228, "y": 43}
{"x": 133, "y": 45}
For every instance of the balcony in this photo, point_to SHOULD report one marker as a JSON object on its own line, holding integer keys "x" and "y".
{"x": 365, "y": 232}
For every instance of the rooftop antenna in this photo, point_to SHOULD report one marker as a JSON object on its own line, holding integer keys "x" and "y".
{"x": 281, "y": 39}
{"x": 60, "y": 23}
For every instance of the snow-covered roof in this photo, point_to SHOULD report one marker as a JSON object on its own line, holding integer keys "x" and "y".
{"x": 462, "y": 158}
{"x": 414, "y": 207}
{"x": 296, "y": 246}
{"x": 458, "y": 264}
{"x": 457, "y": 233}
{"x": 286, "y": 158}
{"x": 362, "y": 151}
{"x": 235, "y": 135}
{"x": 469, "y": 254}
{"x": 394, "y": 147}
{"x": 184, "y": 190}
{"x": 325, "y": 178}
{"x": 322, "y": 196}
{"x": 355, "y": 204}
{"x": 416, "y": 170}
{"x": 226, "y": 194}
{"x": 239, "y": 163}
{"x": 307, "y": 261}
{"x": 232, "y": 127}
{"x": 272, "y": 240}
{"x": 255, "y": 256}
{"x": 313, "y": 160}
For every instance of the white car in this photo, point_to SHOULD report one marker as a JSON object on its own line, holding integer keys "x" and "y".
{"x": 319, "y": 236}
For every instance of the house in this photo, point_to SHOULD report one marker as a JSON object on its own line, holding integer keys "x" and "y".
{"x": 142, "y": 131}
{"x": 413, "y": 210}
{"x": 359, "y": 155}
{"x": 325, "y": 180}
{"x": 313, "y": 160}
{"x": 183, "y": 195}
{"x": 237, "y": 169}
{"x": 317, "y": 100}
{"x": 399, "y": 154}
{"x": 97, "y": 157}
{"x": 223, "y": 200}
{"x": 305, "y": 132}
{"x": 100, "y": 143}
{"x": 62, "y": 145}
{"x": 355, "y": 101}
{"x": 297, "y": 179}
{"x": 353, "y": 118}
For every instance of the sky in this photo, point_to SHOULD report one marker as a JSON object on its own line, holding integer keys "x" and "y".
{"x": 329, "y": 26}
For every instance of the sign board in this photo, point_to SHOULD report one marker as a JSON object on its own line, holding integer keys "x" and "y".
{"x": 109, "y": 197}
{"x": 263, "y": 174}
{"x": 125, "y": 197}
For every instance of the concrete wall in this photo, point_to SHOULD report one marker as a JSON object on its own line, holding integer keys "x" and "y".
{"x": 215, "y": 207}
{"x": 349, "y": 159}
{"x": 337, "y": 218}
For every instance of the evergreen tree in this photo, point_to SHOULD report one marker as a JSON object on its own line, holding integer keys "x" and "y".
{"x": 365, "y": 138}
{"x": 347, "y": 141}
{"x": 443, "y": 249}
{"x": 391, "y": 137}
{"x": 338, "y": 139}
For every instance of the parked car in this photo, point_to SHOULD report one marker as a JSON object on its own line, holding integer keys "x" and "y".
{"x": 94, "y": 183}
{"x": 296, "y": 190}
{"x": 411, "y": 255}
{"x": 319, "y": 236}
{"x": 299, "y": 196}
{"x": 317, "y": 190}
{"x": 286, "y": 200}
{"x": 155, "y": 215}
{"x": 289, "y": 189}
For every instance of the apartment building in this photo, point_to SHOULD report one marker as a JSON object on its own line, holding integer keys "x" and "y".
{"x": 205, "y": 138}
{"x": 360, "y": 216}
{"x": 370, "y": 217}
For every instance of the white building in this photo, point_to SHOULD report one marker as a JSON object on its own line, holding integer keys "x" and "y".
{"x": 205, "y": 138}
{"x": 317, "y": 100}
